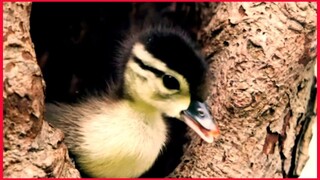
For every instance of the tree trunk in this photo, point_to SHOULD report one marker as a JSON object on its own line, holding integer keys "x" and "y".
{"x": 31, "y": 147}
{"x": 262, "y": 57}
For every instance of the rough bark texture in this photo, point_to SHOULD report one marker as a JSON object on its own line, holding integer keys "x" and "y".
{"x": 31, "y": 147}
{"x": 262, "y": 62}
{"x": 263, "y": 56}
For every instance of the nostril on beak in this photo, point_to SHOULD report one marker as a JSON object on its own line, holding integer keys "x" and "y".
{"x": 200, "y": 111}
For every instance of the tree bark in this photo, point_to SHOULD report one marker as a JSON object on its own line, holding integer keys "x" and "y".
{"x": 31, "y": 147}
{"x": 262, "y": 57}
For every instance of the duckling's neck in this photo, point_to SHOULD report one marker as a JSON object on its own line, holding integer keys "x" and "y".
{"x": 149, "y": 112}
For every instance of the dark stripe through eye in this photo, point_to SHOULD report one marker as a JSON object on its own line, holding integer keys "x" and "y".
{"x": 157, "y": 72}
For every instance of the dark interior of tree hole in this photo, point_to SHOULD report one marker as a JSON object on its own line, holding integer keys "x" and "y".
{"x": 75, "y": 43}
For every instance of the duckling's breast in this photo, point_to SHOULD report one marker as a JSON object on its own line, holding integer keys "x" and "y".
{"x": 120, "y": 142}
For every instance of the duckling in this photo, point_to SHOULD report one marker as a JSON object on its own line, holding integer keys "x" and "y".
{"x": 120, "y": 133}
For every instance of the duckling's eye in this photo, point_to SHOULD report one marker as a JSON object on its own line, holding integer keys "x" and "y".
{"x": 170, "y": 82}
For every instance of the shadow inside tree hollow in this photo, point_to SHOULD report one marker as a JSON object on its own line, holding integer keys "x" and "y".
{"x": 75, "y": 43}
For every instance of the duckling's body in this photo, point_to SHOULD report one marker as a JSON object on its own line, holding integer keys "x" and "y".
{"x": 102, "y": 149}
{"x": 121, "y": 133}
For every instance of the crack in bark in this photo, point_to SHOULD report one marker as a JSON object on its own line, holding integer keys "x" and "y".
{"x": 305, "y": 123}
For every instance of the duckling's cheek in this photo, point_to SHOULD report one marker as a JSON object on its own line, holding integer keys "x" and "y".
{"x": 174, "y": 107}
{"x": 185, "y": 102}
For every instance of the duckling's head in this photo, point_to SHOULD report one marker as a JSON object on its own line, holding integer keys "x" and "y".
{"x": 165, "y": 72}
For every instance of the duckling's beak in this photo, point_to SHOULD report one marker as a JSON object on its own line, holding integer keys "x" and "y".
{"x": 199, "y": 118}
